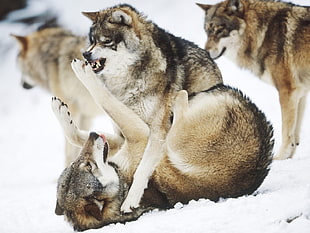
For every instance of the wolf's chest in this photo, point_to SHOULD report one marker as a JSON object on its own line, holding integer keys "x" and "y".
{"x": 144, "y": 106}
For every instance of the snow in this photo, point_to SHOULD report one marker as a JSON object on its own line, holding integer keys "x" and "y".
{"x": 32, "y": 143}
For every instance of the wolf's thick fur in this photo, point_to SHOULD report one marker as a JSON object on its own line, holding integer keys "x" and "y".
{"x": 144, "y": 67}
{"x": 44, "y": 60}
{"x": 219, "y": 145}
{"x": 272, "y": 39}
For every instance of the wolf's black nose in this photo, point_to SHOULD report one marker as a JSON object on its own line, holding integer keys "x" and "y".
{"x": 87, "y": 55}
{"x": 27, "y": 85}
{"x": 93, "y": 135}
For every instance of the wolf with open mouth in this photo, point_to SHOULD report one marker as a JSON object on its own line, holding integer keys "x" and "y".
{"x": 219, "y": 145}
{"x": 144, "y": 67}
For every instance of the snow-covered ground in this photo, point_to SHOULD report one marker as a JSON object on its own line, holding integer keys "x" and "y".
{"x": 32, "y": 145}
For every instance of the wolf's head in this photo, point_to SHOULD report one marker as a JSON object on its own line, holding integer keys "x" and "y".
{"x": 24, "y": 62}
{"x": 45, "y": 55}
{"x": 224, "y": 26}
{"x": 89, "y": 192}
{"x": 121, "y": 43}
{"x": 114, "y": 37}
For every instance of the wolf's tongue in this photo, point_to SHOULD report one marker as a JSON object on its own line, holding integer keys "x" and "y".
{"x": 103, "y": 137}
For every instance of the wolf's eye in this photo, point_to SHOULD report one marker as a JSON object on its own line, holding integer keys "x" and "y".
{"x": 219, "y": 30}
{"x": 108, "y": 42}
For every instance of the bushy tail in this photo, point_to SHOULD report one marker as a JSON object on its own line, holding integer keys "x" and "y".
{"x": 264, "y": 132}
{"x": 265, "y": 154}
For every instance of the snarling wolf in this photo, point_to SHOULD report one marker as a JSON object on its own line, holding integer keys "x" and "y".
{"x": 44, "y": 60}
{"x": 219, "y": 145}
{"x": 271, "y": 39}
{"x": 144, "y": 67}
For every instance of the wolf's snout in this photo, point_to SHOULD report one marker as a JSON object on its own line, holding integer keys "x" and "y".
{"x": 93, "y": 135}
{"x": 27, "y": 85}
{"x": 87, "y": 55}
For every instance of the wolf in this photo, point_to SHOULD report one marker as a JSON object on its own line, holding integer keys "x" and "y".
{"x": 144, "y": 67}
{"x": 219, "y": 145}
{"x": 44, "y": 60}
{"x": 271, "y": 39}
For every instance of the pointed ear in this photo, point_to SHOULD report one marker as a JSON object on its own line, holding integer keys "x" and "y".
{"x": 235, "y": 6}
{"x": 91, "y": 15}
{"x": 22, "y": 40}
{"x": 58, "y": 209}
{"x": 205, "y": 7}
{"x": 94, "y": 211}
{"x": 121, "y": 17}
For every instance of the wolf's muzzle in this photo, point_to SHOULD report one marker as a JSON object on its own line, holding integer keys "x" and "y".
{"x": 87, "y": 55}
{"x": 26, "y": 85}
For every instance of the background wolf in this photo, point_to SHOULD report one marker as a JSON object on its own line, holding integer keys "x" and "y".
{"x": 44, "y": 60}
{"x": 272, "y": 39}
{"x": 144, "y": 66}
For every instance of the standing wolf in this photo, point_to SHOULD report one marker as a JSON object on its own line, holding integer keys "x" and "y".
{"x": 144, "y": 67}
{"x": 272, "y": 39}
{"x": 44, "y": 60}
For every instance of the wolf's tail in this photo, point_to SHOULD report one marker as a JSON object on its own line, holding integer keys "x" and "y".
{"x": 265, "y": 154}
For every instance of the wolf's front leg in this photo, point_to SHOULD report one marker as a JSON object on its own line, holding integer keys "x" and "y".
{"x": 72, "y": 132}
{"x": 86, "y": 75}
{"x": 150, "y": 159}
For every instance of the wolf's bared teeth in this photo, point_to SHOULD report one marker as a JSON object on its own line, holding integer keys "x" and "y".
{"x": 98, "y": 65}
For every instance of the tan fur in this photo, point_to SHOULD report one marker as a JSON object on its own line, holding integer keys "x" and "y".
{"x": 219, "y": 145}
{"x": 44, "y": 60}
{"x": 272, "y": 39}
{"x": 144, "y": 67}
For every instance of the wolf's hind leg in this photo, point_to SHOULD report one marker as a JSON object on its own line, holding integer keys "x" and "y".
{"x": 73, "y": 133}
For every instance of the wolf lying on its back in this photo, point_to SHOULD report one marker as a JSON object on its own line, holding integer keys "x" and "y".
{"x": 44, "y": 60}
{"x": 272, "y": 39}
{"x": 144, "y": 67}
{"x": 219, "y": 145}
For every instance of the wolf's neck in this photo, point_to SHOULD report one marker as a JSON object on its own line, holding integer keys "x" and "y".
{"x": 252, "y": 47}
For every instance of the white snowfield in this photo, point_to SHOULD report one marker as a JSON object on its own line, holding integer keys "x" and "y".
{"x": 32, "y": 145}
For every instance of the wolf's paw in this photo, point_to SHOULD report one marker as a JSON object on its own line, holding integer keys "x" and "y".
{"x": 130, "y": 204}
{"x": 78, "y": 67}
{"x": 56, "y": 105}
{"x": 63, "y": 115}
{"x": 85, "y": 73}
{"x": 286, "y": 151}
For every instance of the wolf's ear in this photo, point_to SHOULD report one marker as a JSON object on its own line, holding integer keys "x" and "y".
{"x": 205, "y": 7}
{"x": 235, "y": 6}
{"x": 91, "y": 15}
{"x": 22, "y": 40}
{"x": 58, "y": 209}
{"x": 93, "y": 210}
{"x": 121, "y": 17}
